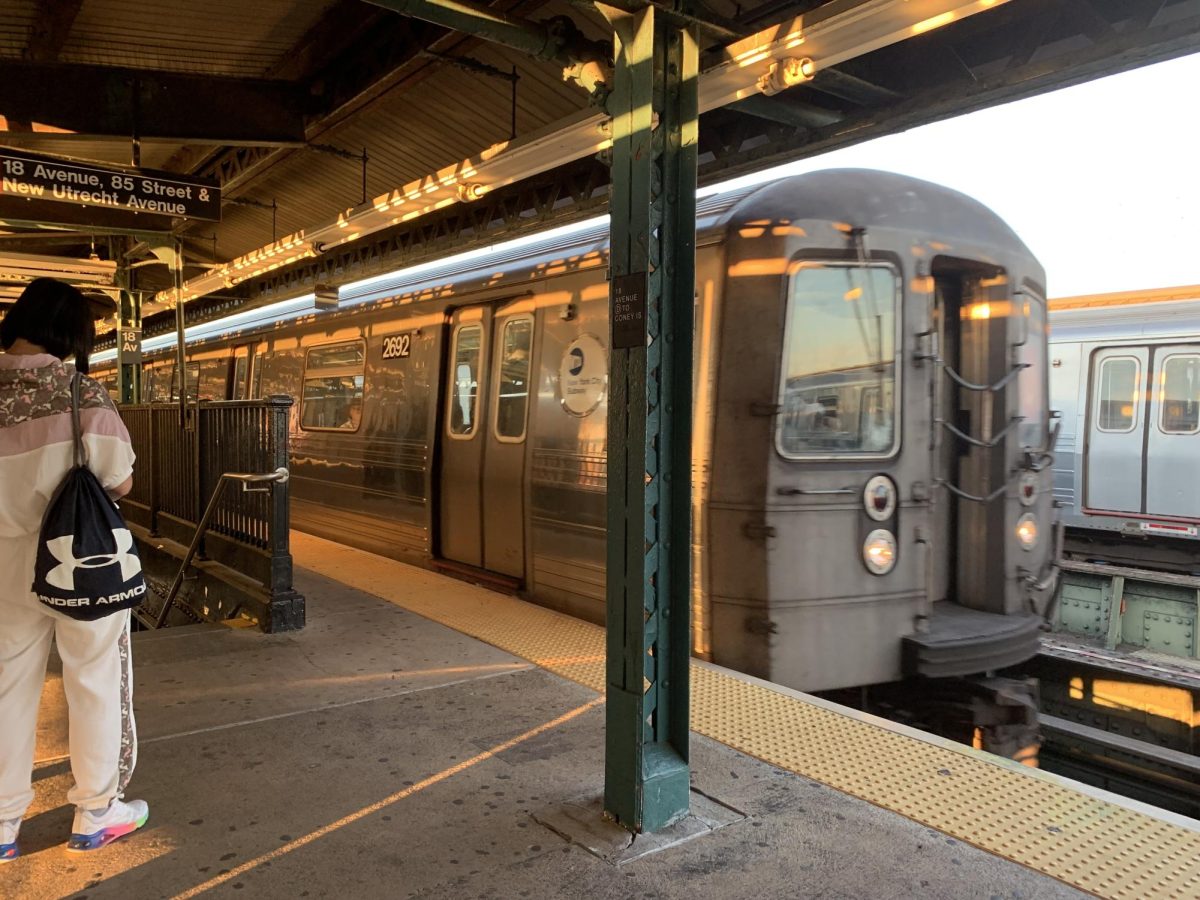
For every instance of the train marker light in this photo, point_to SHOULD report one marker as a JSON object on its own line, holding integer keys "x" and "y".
{"x": 879, "y": 498}
{"x": 879, "y": 551}
{"x": 1027, "y": 488}
{"x": 1027, "y": 531}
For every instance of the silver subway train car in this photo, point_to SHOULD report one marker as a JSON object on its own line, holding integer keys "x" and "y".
{"x": 1125, "y": 373}
{"x": 872, "y": 488}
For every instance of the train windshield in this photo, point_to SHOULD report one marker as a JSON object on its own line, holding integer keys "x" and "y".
{"x": 838, "y": 390}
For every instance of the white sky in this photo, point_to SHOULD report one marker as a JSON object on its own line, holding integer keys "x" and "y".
{"x": 1100, "y": 180}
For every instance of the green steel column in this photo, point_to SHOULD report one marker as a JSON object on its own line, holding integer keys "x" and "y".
{"x": 654, "y": 110}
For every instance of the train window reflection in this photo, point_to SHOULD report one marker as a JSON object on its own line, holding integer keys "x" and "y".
{"x": 332, "y": 399}
{"x": 838, "y": 391}
{"x": 464, "y": 383}
{"x": 512, "y": 385}
{"x": 1117, "y": 408}
{"x": 1179, "y": 396}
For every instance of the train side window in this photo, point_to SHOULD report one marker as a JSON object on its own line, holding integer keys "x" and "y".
{"x": 1118, "y": 393}
{"x": 1179, "y": 395}
{"x": 838, "y": 388}
{"x": 464, "y": 381}
{"x": 512, "y": 382}
{"x": 332, "y": 398}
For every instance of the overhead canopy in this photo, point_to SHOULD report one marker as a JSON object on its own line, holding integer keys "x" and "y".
{"x": 278, "y": 100}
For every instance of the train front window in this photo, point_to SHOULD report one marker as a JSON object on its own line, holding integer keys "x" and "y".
{"x": 1118, "y": 392}
{"x": 333, "y": 388}
{"x": 838, "y": 388}
{"x": 464, "y": 381}
{"x": 1179, "y": 394}
{"x": 512, "y": 385}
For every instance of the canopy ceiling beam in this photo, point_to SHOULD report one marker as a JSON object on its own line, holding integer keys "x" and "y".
{"x": 557, "y": 39}
{"x": 118, "y": 103}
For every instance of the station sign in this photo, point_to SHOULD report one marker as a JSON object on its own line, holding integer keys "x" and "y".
{"x": 34, "y": 176}
{"x": 628, "y": 311}
{"x": 129, "y": 346}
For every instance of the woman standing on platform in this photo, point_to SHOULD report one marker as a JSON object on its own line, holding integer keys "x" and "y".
{"x": 50, "y": 323}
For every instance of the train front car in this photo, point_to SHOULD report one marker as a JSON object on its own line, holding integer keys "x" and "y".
{"x": 880, "y": 511}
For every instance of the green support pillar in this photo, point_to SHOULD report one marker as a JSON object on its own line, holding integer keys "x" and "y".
{"x": 653, "y": 106}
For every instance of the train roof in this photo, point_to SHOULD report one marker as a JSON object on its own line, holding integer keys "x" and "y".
{"x": 867, "y": 198}
{"x": 862, "y": 197}
{"x": 1176, "y": 318}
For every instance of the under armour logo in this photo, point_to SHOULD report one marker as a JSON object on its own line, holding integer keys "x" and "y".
{"x": 61, "y": 548}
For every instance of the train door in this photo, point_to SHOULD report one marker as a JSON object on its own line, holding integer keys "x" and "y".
{"x": 1116, "y": 429}
{"x": 972, "y": 303}
{"x": 485, "y": 416}
{"x": 1173, "y": 433}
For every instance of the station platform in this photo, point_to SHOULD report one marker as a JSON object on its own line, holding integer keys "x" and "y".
{"x": 426, "y": 738}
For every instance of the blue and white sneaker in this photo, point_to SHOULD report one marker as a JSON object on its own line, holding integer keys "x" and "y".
{"x": 96, "y": 828}
{"x": 8, "y": 840}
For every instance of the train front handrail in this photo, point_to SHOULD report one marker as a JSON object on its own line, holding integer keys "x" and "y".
{"x": 251, "y": 483}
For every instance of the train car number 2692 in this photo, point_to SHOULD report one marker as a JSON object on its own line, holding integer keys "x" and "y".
{"x": 397, "y": 346}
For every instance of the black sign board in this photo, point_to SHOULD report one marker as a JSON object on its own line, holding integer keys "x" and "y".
{"x": 34, "y": 176}
{"x": 628, "y": 311}
{"x": 129, "y": 347}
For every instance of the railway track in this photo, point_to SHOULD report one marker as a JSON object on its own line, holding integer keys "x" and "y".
{"x": 1124, "y": 723}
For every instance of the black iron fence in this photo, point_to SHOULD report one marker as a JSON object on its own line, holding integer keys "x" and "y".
{"x": 180, "y": 463}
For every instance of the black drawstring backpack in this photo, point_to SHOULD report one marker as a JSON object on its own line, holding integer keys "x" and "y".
{"x": 87, "y": 565}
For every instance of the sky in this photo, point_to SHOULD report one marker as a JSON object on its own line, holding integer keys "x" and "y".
{"x": 1100, "y": 180}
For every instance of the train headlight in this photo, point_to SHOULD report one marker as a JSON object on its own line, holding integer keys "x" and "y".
{"x": 1027, "y": 531}
{"x": 879, "y": 498}
{"x": 879, "y": 551}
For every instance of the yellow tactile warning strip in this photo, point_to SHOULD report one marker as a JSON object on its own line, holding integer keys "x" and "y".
{"x": 999, "y": 806}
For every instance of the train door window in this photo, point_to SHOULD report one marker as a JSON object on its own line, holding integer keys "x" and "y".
{"x": 1119, "y": 394}
{"x": 838, "y": 386}
{"x": 464, "y": 381}
{"x": 257, "y": 375}
{"x": 332, "y": 398}
{"x": 512, "y": 382}
{"x": 1179, "y": 394}
{"x": 241, "y": 371}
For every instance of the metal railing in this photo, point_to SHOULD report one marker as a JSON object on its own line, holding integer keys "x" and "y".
{"x": 180, "y": 472}
{"x": 251, "y": 484}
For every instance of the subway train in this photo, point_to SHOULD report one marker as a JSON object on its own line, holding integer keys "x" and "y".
{"x": 1125, "y": 375}
{"x": 872, "y": 471}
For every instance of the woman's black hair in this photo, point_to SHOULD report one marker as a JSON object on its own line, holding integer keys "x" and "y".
{"x": 53, "y": 315}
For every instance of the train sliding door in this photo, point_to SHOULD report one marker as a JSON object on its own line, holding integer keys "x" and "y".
{"x": 485, "y": 416}
{"x": 1116, "y": 429}
{"x": 1173, "y": 433}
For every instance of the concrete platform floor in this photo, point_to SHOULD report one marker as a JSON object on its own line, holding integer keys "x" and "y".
{"x": 378, "y": 754}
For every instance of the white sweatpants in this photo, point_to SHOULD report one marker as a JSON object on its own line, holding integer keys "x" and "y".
{"x": 99, "y": 686}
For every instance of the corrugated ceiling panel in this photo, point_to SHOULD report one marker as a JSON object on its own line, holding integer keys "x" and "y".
{"x": 218, "y": 37}
{"x": 16, "y": 21}
{"x": 408, "y": 134}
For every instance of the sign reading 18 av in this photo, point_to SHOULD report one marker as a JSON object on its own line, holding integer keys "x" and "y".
{"x": 38, "y": 177}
